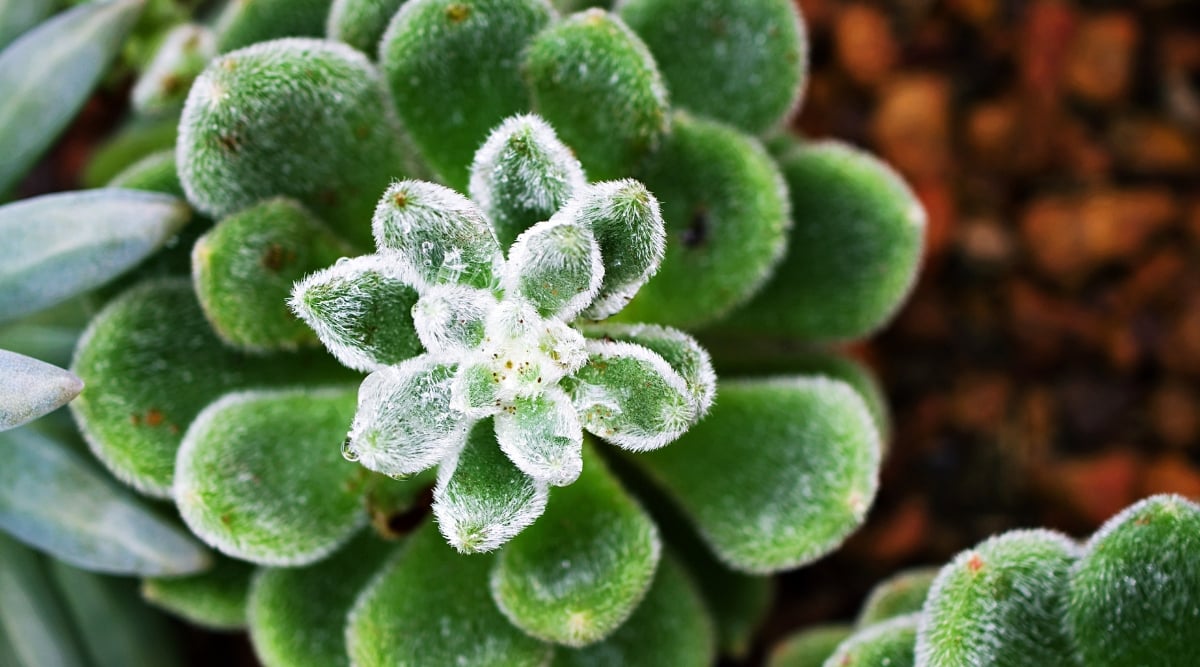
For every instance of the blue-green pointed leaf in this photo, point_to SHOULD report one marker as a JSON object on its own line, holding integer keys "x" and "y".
{"x": 260, "y": 475}
{"x": 577, "y": 574}
{"x": 56, "y": 246}
{"x": 888, "y": 643}
{"x": 32, "y": 618}
{"x": 430, "y": 606}
{"x": 17, "y": 16}
{"x": 32, "y": 388}
{"x": 215, "y": 599}
{"x": 799, "y": 465}
{"x": 44, "y": 487}
{"x": 900, "y": 594}
{"x": 809, "y": 647}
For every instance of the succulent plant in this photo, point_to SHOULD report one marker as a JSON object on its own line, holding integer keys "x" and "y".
{"x": 537, "y": 344}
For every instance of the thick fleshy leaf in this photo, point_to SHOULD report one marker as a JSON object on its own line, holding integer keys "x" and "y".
{"x": 740, "y": 62}
{"x": 630, "y": 396}
{"x": 155, "y": 172}
{"x": 453, "y": 67}
{"x": 522, "y": 175}
{"x": 577, "y": 574}
{"x": 1001, "y": 603}
{"x": 48, "y": 73}
{"x": 597, "y": 84}
{"x": 164, "y": 84}
{"x": 523, "y": 353}
{"x": 59, "y": 245}
{"x": 298, "y": 615}
{"x": 482, "y": 500}
{"x": 246, "y": 22}
{"x": 151, "y": 362}
{"x": 669, "y": 627}
{"x": 450, "y": 318}
{"x": 555, "y": 265}
{"x": 430, "y": 606}
{"x": 52, "y": 499}
{"x": 32, "y": 388}
{"x": 887, "y": 643}
{"x": 1135, "y": 591}
{"x": 243, "y": 270}
{"x": 809, "y": 647}
{"x": 361, "y": 309}
{"x": 360, "y": 23}
{"x": 900, "y": 594}
{"x": 727, "y": 215}
{"x": 404, "y": 422}
{"x": 439, "y": 233}
{"x": 260, "y": 476}
{"x": 116, "y": 628}
{"x": 17, "y": 16}
{"x": 678, "y": 349}
{"x": 790, "y": 489}
{"x": 32, "y": 617}
{"x": 542, "y": 436}
{"x": 215, "y": 599}
{"x": 138, "y": 138}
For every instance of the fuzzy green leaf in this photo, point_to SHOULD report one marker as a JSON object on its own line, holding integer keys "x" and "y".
{"x": 183, "y": 54}
{"x": 302, "y": 118}
{"x": 522, "y": 175}
{"x": 32, "y": 388}
{"x": 360, "y": 23}
{"x": 244, "y": 269}
{"x": 260, "y": 476}
{"x": 215, "y": 599}
{"x": 741, "y": 62}
{"x": 32, "y": 618}
{"x": 153, "y": 173}
{"x": 59, "y": 245}
{"x": 543, "y": 437}
{"x": 17, "y": 16}
{"x": 555, "y": 265}
{"x": 1001, "y": 604}
{"x": 789, "y": 490}
{"x": 246, "y": 22}
{"x": 298, "y": 615}
{"x": 1135, "y": 591}
{"x": 900, "y": 594}
{"x": 809, "y": 647}
{"x": 151, "y": 362}
{"x": 53, "y": 500}
{"x": 430, "y": 606}
{"x": 669, "y": 627}
{"x": 597, "y": 84}
{"x": 577, "y": 574}
{"x": 726, "y": 210}
{"x": 853, "y": 252}
{"x": 48, "y": 73}
{"x": 451, "y": 318}
{"x": 482, "y": 499}
{"x": 888, "y": 643}
{"x": 678, "y": 349}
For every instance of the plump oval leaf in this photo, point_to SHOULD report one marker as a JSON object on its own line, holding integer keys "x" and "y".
{"x": 32, "y": 617}
{"x": 542, "y": 436}
{"x": 183, "y": 54}
{"x": 809, "y": 647}
{"x": 451, "y": 318}
{"x": 789, "y": 490}
{"x": 260, "y": 476}
{"x": 678, "y": 349}
{"x": 888, "y": 643}
{"x": 48, "y": 73}
{"x": 430, "y": 606}
{"x": 555, "y": 265}
{"x": 577, "y": 574}
{"x": 52, "y": 499}
{"x": 215, "y": 599}
{"x": 902, "y": 593}
{"x": 246, "y": 22}
{"x": 32, "y": 388}
{"x": 360, "y": 23}
{"x": 59, "y": 245}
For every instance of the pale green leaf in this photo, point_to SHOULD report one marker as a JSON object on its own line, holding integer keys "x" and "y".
{"x": 246, "y": 22}
{"x": 809, "y": 647}
{"x": 360, "y": 23}
{"x": 888, "y": 643}
{"x": 902, "y": 593}
{"x": 542, "y": 436}
{"x": 32, "y": 617}
{"x": 32, "y": 388}
{"x": 215, "y": 599}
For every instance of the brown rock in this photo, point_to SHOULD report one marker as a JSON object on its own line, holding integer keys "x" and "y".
{"x": 1100, "y": 62}
{"x": 864, "y": 43}
{"x": 912, "y": 125}
{"x": 1154, "y": 146}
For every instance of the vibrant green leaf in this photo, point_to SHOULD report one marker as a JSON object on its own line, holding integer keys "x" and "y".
{"x": 153, "y": 173}
{"x": 360, "y": 23}
{"x": 57, "y": 246}
{"x": 261, "y": 477}
{"x": 53, "y": 500}
{"x": 182, "y": 55}
{"x": 137, "y": 139}
{"x": 246, "y": 22}
{"x": 678, "y": 349}
{"x": 577, "y": 574}
{"x": 48, "y": 73}
{"x": 555, "y": 265}
{"x": 888, "y": 643}
{"x": 810, "y": 647}
{"x": 32, "y": 618}
{"x": 900, "y": 594}
{"x": 430, "y": 606}
{"x": 32, "y": 388}
{"x": 215, "y": 599}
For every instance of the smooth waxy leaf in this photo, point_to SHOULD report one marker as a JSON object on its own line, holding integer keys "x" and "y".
{"x": 627, "y": 223}
{"x": 809, "y": 647}
{"x": 361, "y": 310}
{"x": 887, "y": 643}
{"x": 302, "y": 118}
{"x": 522, "y": 175}
{"x": 32, "y": 618}
{"x": 542, "y": 436}
{"x": 900, "y": 594}
{"x": 180, "y": 58}
{"x": 739, "y": 62}
{"x": 215, "y": 599}
{"x": 577, "y": 574}
{"x": 453, "y": 67}
{"x": 727, "y": 216}
{"x": 555, "y": 265}
{"x": 260, "y": 476}
{"x": 430, "y": 606}
{"x": 438, "y": 233}
{"x": 298, "y": 615}
{"x": 481, "y": 499}
{"x": 48, "y": 73}
{"x": 853, "y": 252}
{"x": 790, "y": 490}
{"x": 597, "y": 84}
{"x": 53, "y": 500}
{"x": 59, "y": 245}
{"x": 678, "y": 349}
{"x": 360, "y": 23}
{"x": 244, "y": 268}
{"x": 32, "y": 388}
{"x": 669, "y": 627}
{"x": 1001, "y": 603}
{"x": 17, "y": 16}
{"x": 1135, "y": 591}
{"x": 151, "y": 362}
{"x": 246, "y": 22}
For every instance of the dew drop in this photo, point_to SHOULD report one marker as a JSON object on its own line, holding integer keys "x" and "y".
{"x": 348, "y": 450}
